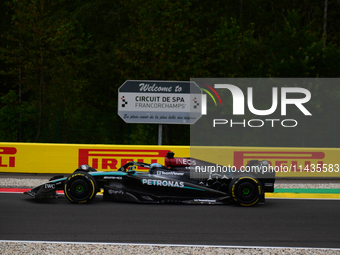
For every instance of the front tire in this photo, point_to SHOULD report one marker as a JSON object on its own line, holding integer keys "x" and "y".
{"x": 245, "y": 191}
{"x": 80, "y": 187}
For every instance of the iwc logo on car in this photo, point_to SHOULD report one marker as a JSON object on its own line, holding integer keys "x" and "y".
{"x": 164, "y": 183}
{"x": 49, "y": 186}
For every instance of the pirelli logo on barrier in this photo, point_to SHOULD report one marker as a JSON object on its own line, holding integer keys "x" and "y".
{"x": 294, "y": 161}
{"x": 7, "y": 158}
{"x": 112, "y": 159}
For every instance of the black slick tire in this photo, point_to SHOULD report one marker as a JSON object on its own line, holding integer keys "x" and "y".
{"x": 245, "y": 191}
{"x": 80, "y": 187}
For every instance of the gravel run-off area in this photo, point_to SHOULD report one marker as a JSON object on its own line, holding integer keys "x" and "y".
{"x": 83, "y": 248}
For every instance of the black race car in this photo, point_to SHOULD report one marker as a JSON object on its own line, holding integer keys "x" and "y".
{"x": 181, "y": 180}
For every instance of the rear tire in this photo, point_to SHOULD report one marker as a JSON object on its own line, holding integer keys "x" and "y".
{"x": 245, "y": 191}
{"x": 80, "y": 187}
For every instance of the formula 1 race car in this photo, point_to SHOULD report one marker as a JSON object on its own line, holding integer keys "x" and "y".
{"x": 176, "y": 182}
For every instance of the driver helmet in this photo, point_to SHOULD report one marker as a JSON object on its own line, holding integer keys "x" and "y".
{"x": 155, "y": 165}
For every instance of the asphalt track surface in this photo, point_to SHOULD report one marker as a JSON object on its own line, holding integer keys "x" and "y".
{"x": 280, "y": 222}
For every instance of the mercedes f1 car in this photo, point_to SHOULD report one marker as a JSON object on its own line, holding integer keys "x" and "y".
{"x": 176, "y": 182}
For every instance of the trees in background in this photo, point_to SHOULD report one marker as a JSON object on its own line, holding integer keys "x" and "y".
{"x": 44, "y": 56}
{"x": 62, "y": 62}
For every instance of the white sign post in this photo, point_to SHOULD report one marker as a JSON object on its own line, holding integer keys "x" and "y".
{"x": 160, "y": 102}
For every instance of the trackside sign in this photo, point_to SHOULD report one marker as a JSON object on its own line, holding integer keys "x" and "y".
{"x": 160, "y": 102}
{"x": 112, "y": 159}
{"x": 65, "y": 158}
{"x": 7, "y": 156}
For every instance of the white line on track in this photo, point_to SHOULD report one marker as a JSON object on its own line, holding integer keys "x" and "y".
{"x": 171, "y": 245}
{"x": 100, "y": 194}
{"x": 303, "y": 198}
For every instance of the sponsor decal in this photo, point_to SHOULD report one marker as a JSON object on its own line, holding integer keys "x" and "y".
{"x": 115, "y": 192}
{"x": 205, "y": 200}
{"x": 169, "y": 173}
{"x": 185, "y": 161}
{"x": 112, "y": 178}
{"x": 49, "y": 186}
{"x": 6, "y": 156}
{"x": 113, "y": 159}
{"x": 180, "y": 162}
{"x": 163, "y": 183}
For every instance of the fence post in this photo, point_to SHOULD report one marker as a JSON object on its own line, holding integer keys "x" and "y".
{"x": 334, "y": 133}
{"x": 58, "y": 125}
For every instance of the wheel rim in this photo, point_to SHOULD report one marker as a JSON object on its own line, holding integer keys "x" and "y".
{"x": 79, "y": 189}
{"x": 247, "y": 191}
